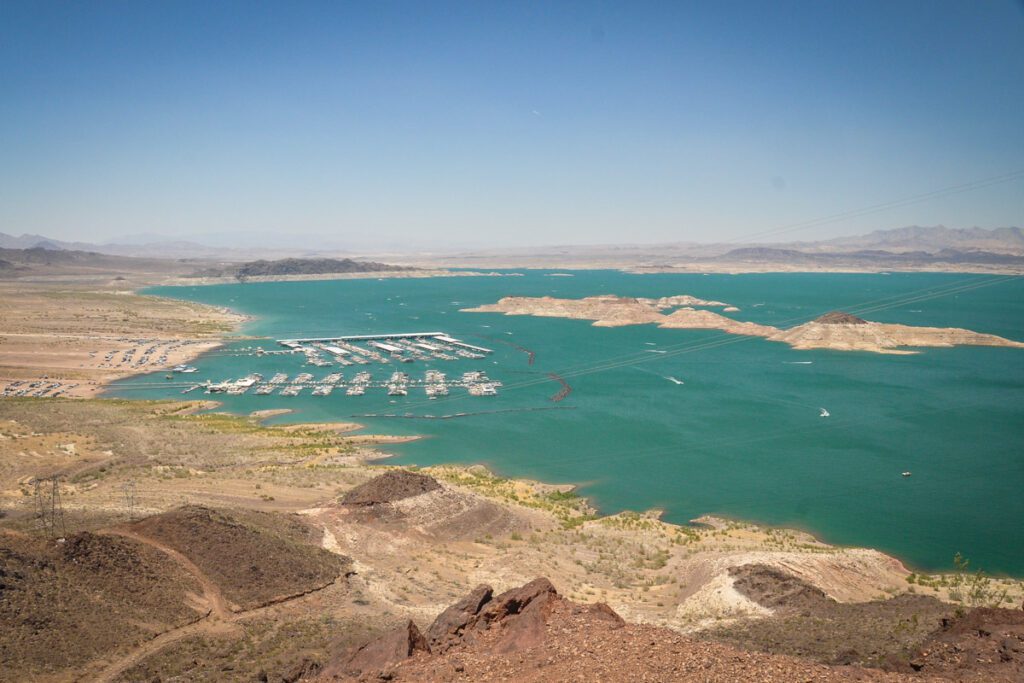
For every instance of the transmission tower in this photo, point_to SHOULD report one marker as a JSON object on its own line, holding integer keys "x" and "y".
{"x": 129, "y": 497}
{"x": 51, "y": 510}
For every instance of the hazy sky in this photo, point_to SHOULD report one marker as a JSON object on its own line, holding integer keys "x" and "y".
{"x": 434, "y": 123}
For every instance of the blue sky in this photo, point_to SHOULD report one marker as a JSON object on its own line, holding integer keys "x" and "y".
{"x": 447, "y": 124}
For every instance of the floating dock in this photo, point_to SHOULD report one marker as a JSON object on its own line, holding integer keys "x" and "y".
{"x": 434, "y": 384}
{"x": 440, "y": 336}
{"x": 402, "y": 346}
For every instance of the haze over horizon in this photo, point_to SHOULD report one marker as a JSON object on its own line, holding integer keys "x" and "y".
{"x": 459, "y": 125}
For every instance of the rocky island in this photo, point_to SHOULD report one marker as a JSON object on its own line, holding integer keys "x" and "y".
{"x": 836, "y": 330}
{"x": 844, "y": 332}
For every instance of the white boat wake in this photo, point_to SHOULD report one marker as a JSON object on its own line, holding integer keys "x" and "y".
{"x": 654, "y": 351}
{"x": 677, "y": 381}
{"x": 797, "y": 362}
{"x": 824, "y": 413}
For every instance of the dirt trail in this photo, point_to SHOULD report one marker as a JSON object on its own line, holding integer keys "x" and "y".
{"x": 219, "y": 605}
{"x": 221, "y": 620}
{"x": 206, "y": 625}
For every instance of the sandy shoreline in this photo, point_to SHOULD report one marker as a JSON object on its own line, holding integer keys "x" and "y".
{"x": 74, "y": 340}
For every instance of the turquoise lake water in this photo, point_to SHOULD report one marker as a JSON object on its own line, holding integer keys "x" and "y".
{"x": 741, "y": 437}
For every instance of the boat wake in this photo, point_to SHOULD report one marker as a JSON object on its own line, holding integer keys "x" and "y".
{"x": 674, "y": 380}
{"x": 797, "y": 362}
{"x": 655, "y": 351}
{"x": 824, "y": 413}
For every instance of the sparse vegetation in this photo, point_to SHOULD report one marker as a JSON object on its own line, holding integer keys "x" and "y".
{"x": 974, "y": 589}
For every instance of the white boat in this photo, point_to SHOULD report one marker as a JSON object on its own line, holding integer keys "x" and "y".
{"x": 907, "y": 474}
{"x": 220, "y": 387}
{"x": 824, "y": 413}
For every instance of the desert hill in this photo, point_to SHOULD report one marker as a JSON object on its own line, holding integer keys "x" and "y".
{"x": 255, "y": 558}
{"x": 65, "y": 604}
{"x": 72, "y": 605}
{"x": 298, "y": 266}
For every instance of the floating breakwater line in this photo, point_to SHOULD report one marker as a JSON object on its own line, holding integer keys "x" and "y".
{"x": 563, "y": 392}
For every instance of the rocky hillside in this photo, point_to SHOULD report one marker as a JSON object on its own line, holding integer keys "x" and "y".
{"x": 531, "y": 633}
{"x": 254, "y": 557}
{"x": 94, "y": 605}
{"x": 63, "y": 604}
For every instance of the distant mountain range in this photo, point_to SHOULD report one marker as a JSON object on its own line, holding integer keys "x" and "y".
{"x": 48, "y": 259}
{"x": 937, "y": 240}
{"x": 933, "y": 240}
{"x": 138, "y": 247}
{"x": 51, "y": 259}
{"x": 872, "y": 256}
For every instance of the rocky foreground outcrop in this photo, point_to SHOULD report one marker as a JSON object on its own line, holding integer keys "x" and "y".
{"x": 512, "y": 621}
{"x": 985, "y": 645}
{"x": 531, "y": 633}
